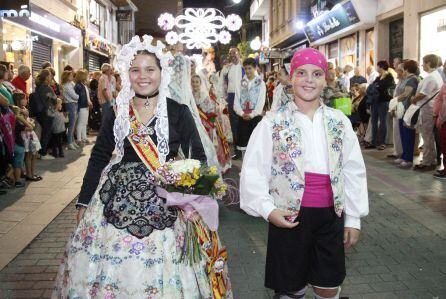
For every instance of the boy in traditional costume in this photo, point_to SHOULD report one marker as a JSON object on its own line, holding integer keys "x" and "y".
{"x": 304, "y": 173}
{"x": 249, "y": 103}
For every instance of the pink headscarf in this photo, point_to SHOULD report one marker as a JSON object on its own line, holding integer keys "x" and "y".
{"x": 308, "y": 56}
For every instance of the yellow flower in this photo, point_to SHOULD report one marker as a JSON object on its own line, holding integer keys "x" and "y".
{"x": 213, "y": 170}
{"x": 186, "y": 180}
{"x": 196, "y": 173}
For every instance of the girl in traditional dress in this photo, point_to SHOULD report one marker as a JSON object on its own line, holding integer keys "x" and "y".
{"x": 128, "y": 242}
{"x": 207, "y": 108}
{"x": 304, "y": 173}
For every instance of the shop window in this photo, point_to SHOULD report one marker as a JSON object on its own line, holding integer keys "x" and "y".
{"x": 396, "y": 35}
{"x": 333, "y": 52}
{"x": 370, "y": 48}
{"x": 433, "y": 33}
{"x": 348, "y": 50}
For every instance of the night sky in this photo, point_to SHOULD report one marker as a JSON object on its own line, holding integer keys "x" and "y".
{"x": 226, "y": 6}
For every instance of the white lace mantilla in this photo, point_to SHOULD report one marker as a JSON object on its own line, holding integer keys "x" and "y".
{"x": 121, "y": 126}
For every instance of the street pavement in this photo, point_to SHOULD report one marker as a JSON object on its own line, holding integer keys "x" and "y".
{"x": 401, "y": 253}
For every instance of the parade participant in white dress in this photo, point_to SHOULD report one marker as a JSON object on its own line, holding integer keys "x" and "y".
{"x": 279, "y": 97}
{"x": 304, "y": 173}
{"x": 249, "y": 103}
{"x": 128, "y": 242}
{"x": 233, "y": 75}
{"x": 181, "y": 91}
{"x": 222, "y": 106}
{"x": 207, "y": 108}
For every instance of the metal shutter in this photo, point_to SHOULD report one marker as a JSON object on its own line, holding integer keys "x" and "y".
{"x": 40, "y": 54}
{"x": 94, "y": 63}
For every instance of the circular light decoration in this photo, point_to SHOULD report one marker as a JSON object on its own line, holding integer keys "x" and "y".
{"x": 200, "y": 27}
{"x": 224, "y": 37}
{"x": 171, "y": 37}
{"x": 166, "y": 21}
{"x": 256, "y": 43}
{"x": 233, "y": 22}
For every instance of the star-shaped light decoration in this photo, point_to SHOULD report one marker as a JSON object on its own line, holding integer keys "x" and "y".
{"x": 199, "y": 28}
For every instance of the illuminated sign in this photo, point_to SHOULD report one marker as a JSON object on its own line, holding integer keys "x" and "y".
{"x": 14, "y": 8}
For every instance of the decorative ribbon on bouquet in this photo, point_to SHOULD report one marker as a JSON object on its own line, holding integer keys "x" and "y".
{"x": 206, "y": 206}
{"x": 216, "y": 259}
{"x": 142, "y": 143}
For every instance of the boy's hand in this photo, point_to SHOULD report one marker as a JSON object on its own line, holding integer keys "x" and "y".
{"x": 246, "y": 116}
{"x": 277, "y": 217}
{"x": 351, "y": 236}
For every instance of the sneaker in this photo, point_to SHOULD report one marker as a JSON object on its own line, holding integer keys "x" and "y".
{"x": 47, "y": 157}
{"x": 398, "y": 161}
{"x": 85, "y": 141}
{"x": 440, "y": 176}
{"x": 71, "y": 146}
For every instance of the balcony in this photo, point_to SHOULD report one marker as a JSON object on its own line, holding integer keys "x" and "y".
{"x": 259, "y": 9}
{"x": 124, "y": 3}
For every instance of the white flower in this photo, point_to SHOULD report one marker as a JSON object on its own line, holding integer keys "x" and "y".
{"x": 166, "y": 21}
{"x": 219, "y": 265}
{"x": 183, "y": 166}
{"x": 224, "y": 37}
{"x": 233, "y": 22}
{"x": 171, "y": 37}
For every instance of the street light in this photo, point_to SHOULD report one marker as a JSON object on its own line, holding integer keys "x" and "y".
{"x": 256, "y": 43}
{"x": 300, "y": 25}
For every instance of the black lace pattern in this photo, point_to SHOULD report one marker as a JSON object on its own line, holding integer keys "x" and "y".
{"x": 131, "y": 203}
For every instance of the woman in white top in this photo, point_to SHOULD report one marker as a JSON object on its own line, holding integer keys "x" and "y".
{"x": 70, "y": 98}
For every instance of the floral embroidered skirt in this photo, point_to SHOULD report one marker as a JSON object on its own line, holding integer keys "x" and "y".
{"x": 104, "y": 261}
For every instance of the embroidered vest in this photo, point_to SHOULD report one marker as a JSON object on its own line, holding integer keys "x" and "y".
{"x": 287, "y": 172}
{"x": 249, "y": 95}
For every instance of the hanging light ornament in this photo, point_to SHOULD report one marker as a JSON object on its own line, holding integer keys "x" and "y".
{"x": 199, "y": 27}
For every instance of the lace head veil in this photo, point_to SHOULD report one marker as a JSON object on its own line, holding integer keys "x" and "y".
{"x": 121, "y": 126}
{"x": 181, "y": 91}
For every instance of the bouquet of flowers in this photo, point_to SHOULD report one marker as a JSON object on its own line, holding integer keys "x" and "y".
{"x": 194, "y": 188}
{"x": 190, "y": 177}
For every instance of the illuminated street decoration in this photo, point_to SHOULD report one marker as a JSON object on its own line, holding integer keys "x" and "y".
{"x": 199, "y": 28}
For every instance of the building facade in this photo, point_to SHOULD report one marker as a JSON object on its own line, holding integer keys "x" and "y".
{"x": 82, "y": 33}
{"x": 359, "y": 32}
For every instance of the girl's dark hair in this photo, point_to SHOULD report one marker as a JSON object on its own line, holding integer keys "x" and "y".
{"x": 17, "y": 97}
{"x": 249, "y": 61}
{"x": 411, "y": 66}
{"x": 383, "y": 64}
{"x": 145, "y": 52}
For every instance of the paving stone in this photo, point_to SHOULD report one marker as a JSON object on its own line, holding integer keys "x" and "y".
{"x": 398, "y": 256}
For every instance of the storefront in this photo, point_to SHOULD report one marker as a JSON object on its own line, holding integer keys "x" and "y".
{"x": 433, "y": 33}
{"x": 41, "y": 37}
{"x": 341, "y": 32}
{"x": 424, "y": 28}
{"x": 97, "y": 51}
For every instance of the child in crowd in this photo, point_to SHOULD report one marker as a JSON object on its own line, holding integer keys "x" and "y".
{"x": 19, "y": 149}
{"x": 31, "y": 142}
{"x": 249, "y": 103}
{"x": 58, "y": 130}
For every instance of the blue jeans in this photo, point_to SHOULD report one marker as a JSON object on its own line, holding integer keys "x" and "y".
{"x": 379, "y": 112}
{"x": 72, "y": 116}
{"x": 408, "y": 141}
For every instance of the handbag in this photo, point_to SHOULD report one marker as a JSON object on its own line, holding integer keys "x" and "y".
{"x": 412, "y": 114}
{"x": 344, "y": 104}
